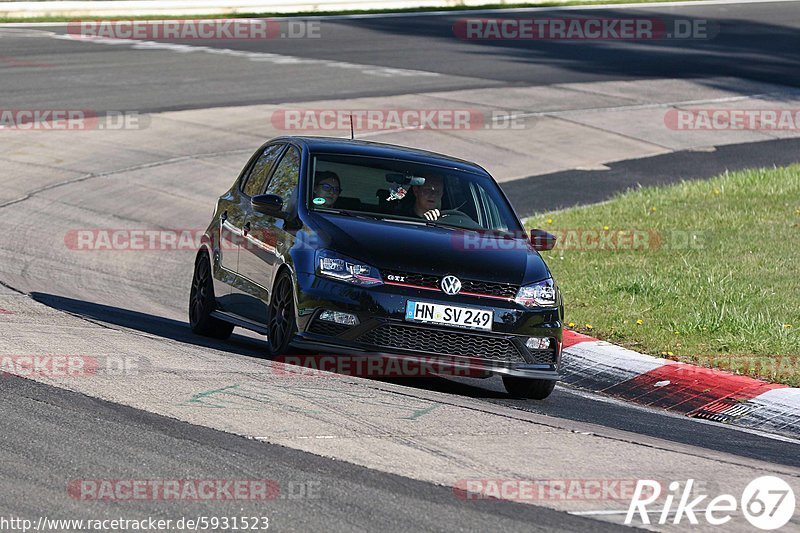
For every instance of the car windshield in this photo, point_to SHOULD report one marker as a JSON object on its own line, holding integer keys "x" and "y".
{"x": 406, "y": 190}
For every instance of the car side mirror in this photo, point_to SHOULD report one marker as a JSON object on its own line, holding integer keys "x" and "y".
{"x": 542, "y": 241}
{"x": 268, "y": 204}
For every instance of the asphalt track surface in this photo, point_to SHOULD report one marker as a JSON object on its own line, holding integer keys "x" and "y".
{"x": 316, "y": 494}
{"x": 547, "y": 192}
{"x": 48, "y": 433}
{"x": 565, "y": 402}
{"x": 755, "y": 42}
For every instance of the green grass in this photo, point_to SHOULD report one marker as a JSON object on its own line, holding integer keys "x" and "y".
{"x": 331, "y": 13}
{"x": 731, "y": 300}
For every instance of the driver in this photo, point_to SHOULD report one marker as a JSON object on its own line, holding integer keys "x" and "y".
{"x": 427, "y": 199}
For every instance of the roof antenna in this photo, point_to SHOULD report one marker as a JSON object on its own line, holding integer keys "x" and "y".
{"x": 352, "y": 136}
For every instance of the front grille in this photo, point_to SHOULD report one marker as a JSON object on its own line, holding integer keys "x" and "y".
{"x": 323, "y": 327}
{"x": 543, "y": 357}
{"x": 488, "y": 288}
{"x": 505, "y": 290}
{"x": 420, "y": 280}
{"x": 443, "y": 342}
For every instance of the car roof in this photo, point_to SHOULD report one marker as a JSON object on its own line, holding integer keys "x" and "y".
{"x": 375, "y": 149}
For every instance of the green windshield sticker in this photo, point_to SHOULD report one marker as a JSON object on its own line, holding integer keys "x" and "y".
{"x": 319, "y": 201}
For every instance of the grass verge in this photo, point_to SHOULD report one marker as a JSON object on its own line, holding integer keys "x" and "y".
{"x": 714, "y": 278}
{"x": 334, "y": 13}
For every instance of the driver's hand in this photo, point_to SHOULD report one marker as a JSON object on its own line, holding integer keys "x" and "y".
{"x": 433, "y": 214}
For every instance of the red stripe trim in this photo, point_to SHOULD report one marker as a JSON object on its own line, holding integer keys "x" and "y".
{"x": 487, "y": 296}
{"x": 434, "y": 289}
{"x": 409, "y": 285}
{"x": 367, "y": 278}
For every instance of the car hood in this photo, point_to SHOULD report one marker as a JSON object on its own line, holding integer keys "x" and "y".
{"x": 392, "y": 245}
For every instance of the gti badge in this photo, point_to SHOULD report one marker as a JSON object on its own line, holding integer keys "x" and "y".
{"x": 451, "y": 285}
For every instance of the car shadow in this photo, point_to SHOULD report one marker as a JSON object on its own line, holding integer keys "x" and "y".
{"x": 442, "y": 384}
{"x": 167, "y": 328}
{"x": 238, "y": 344}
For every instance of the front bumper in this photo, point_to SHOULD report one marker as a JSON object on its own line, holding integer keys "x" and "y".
{"x": 383, "y": 332}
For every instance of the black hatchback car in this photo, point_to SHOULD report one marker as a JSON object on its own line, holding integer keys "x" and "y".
{"x": 368, "y": 249}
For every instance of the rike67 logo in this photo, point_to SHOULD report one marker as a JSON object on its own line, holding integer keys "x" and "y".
{"x": 767, "y": 502}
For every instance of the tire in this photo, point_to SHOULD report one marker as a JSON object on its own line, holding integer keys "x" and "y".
{"x": 534, "y": 389}
{"x": 202, "y": 302}
{"x": 281, "y": 320}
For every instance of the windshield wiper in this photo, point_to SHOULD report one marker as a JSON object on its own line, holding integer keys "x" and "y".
{"x": 348, "y": 213}
{"x": 499, "y": 234}
{"x": 437, "y": 224}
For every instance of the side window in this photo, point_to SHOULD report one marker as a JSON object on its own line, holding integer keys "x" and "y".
{"x": 490, "y": 210}
{"x": 286, "y": 177}
{"x": 254, "y": 183}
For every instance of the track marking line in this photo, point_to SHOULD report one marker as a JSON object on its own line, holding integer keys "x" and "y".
{"x": 276, "y": 59}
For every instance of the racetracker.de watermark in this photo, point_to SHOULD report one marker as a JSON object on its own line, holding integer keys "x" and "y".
{"x": 520, "y": 490}
{"x": 196, "y": 29}
{"x": 396, "y": 119}
{"x": 575, "y": 239}
{"x": 583, "y": 29}
{"x": 191, "y": 489}
{"x": 171, "y": 240}
{"x": 315, "y": 366}
{"x": 752, "y": 365}
{"x": 136, "y": 240}
{"x": 71, "y": 120}
{"x": 711, "y": 119}
{"x": 70, "y": 366}
{"x": 582, "y": 240}
{"x": 16, "y": 62}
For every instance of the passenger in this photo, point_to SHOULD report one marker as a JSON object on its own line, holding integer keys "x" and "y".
{"x": 328, "y": 187}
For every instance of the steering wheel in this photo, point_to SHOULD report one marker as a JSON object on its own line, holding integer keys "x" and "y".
{"x": 459, "y": 218}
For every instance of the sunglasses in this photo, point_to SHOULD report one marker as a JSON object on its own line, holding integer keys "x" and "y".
{"x": 329, "y": 188}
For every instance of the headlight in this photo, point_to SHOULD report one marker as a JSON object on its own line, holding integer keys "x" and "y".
{"x": 541, "y": 294}
{"x": 341, "y": 268}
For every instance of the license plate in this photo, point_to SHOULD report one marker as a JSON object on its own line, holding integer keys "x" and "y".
{"x": 449, "y": 315}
